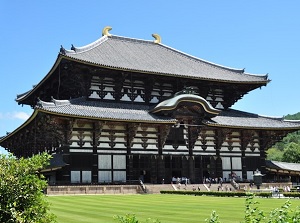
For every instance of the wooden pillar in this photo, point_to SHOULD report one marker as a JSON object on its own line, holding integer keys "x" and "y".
{"x": 65, "y": 176}
{"x": 193, "y": 134}
{"x": 192, "y": 169}
{"x": 153, "y": 168}
{"x": 244, "y": 143}
{"x": 220, "y": 136}
{"x": 265, "y": 139}
{"x": 262, "y": 160}
{"x": 129, "y": 168}
{"x": 95, "y": 155}
{"x": 161, "y": 136}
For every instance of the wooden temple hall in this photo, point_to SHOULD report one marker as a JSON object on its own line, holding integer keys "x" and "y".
{"x": 122, "y": 109}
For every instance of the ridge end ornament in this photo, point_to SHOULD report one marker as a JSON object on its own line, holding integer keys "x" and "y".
{"x": 157, "y": 38}
{"x": 105, "y": 31}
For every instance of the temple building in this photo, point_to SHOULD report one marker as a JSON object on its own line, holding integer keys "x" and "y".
{"x": 122, "y": 109}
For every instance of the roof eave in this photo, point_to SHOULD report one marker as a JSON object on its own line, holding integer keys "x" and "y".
{"x": 261, "y": 83}
{"x": 252, "y": 127}
{"x": 24, "y": 96}
{"x": 171, "y": 121}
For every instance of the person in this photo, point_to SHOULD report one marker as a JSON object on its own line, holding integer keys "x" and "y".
{"x": 174, "y": 180}
{"x": 226, "y": 188}
{"x": 221, "y": 181}
{"x": 199, "y": 188}
{"x": 179, "y": 185}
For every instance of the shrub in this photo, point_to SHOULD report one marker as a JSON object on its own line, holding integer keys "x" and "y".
{"x": 130, "y": 218}
{"x": 21, "y": 190}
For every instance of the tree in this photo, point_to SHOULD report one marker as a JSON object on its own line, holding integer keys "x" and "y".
{"x": 21, "y": 190}
{"x": 291, "y": 153}
{"x": 274, "y": 154}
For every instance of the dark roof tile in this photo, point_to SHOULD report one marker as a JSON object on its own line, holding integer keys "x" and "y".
{"x": 149, "y": 57}
{"x": 103, "y": 110}
{"x": 235, "y": 118}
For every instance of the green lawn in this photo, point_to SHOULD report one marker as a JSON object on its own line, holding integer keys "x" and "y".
{"x": 166, "y": 208}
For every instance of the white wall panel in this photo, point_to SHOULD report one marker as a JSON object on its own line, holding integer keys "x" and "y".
{"x": 75, "y": 176}
{"x": 119, "y": 176}
{"x": 86, "y": 176}
{"x": 249, "y": 175}
{"x": 104, "y": 176}
{"x": 119, "y": 162}
{"x": 226, "y": 174}
{"x": 226, "y": 163}
{"x": 104, "y": 161}
{"x": 237, "y": 163}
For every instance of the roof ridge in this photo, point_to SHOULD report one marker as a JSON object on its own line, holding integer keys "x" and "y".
{"x": 272, "y": 117}
{"x": 52, "y": 103}
{"x": 75, "y": 50}
{"x": 133, "y": 39}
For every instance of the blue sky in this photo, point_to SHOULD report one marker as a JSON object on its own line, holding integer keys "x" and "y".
{"x": 261, "y": 36}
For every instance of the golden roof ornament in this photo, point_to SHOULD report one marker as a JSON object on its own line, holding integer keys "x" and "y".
{"x": 157, "y": 38}
{"x": 105, "y": 31}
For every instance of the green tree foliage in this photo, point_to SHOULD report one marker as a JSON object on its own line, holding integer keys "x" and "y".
{"x": 21, "y": 190}
{"x": 284, "y": 214}
{"x": 291, "y": 153}
{"x": 293, "y": 117}
{"x": 214, "y": 218}
{"x": 274, "y": 154}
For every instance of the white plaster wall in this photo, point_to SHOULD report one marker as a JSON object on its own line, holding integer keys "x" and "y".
{"x": 75, "y": 176}
{"x": 119, "y": 176}
{"x": 226, "y": 163}
{"x": 86, "y": 176}
{"x": 104, "y": 162}
{"x": 104, "y": 176}
{"x": 236, "y": 163}
{"x": 119, "y": 162}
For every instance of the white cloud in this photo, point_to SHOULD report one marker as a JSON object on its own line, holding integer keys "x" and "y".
{"x": 20, "y": 115}
{"x": 15, "y": 115}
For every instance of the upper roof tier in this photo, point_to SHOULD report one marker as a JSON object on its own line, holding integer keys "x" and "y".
{"x": 123, "y": 53}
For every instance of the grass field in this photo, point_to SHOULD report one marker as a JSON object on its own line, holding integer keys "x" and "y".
{"x": 166, "y": 208}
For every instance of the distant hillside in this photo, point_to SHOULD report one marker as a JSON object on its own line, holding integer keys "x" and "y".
{"x": 293, "y": 117}
{"x": 291, "y": 137}
{"x": 292, "y": 140}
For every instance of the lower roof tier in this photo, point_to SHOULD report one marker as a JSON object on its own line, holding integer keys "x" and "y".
{"x": 81, "y": 108}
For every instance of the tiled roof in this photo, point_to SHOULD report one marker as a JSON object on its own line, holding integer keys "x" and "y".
{"x": 282, "y": 165}
{"x": 235, "y": 119}
{"x": 148, "y": 57}
{"x": 81, "y": 107}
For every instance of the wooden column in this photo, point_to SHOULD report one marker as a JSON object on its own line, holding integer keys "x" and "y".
{"x": 220, "y": 136}
{"x": 264, "y": 141}
{"x": 162, "y": 134}
{"x": 129, "y": 168}
{"x": 97, "y": 128}
{"x": 192, "y": 169}
{"x": 244, "y": 142}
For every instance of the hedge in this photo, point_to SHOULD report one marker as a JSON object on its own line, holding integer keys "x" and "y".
{"x": 215, "y": 193}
